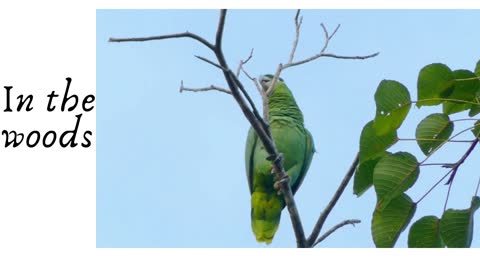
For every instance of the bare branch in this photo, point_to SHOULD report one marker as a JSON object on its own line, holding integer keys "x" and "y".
{"x": 242, "y": 63}
{"x": 221, "y": 26}
{"x": 434, "y": 140}
{"x": 301, "y": 62}
{"x": 322, "y": 53}
{"x": 263, "y": 134}
{"x": 276, "y": 76}
{"x": 327, "y": 37}
{"x": 171, "y": 36}
{"x": 323, "y": 216}
{"x": 204, "y": 89}
{"x": 254, "y": 80}
{"x": 444, "y": 165}
{"x": 298, "y": 24}
{"x": 252, "y": 104}
{"x": 334, "y": 228}
{"x": 334, "y": 31}
{"x": 262, "y": 93}
{"x": 356, "y": 57}
{"x": 259, "y": 124}
{"x": 211, "y": 62}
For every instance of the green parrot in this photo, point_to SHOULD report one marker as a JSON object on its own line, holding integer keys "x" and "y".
{"x": 294, "y": 141}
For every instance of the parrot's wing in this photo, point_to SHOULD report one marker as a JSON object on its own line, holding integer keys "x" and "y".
{"x": 249, "y": 151}
{"x": 310, "y": 149}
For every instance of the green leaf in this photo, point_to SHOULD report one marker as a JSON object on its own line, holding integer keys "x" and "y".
{"x": 372, "y": 145}
{"x": 466, "y": 85}
{"x": 387, "y": 224}
{"x": 363, "y": 179}
{"x": 394, "y": 174}
{"x": 425, "y": 233}
{"x": 475, "y": 109}
{"x": 454, "y": 107}
{"x": 432, "y": 131}
{"x": 393, "y": 103}
{"x": 466, "y": 89}
{"x": 435, "y": 81}
{"x": 456, "y": 226}
{"x": 476, "y": 129}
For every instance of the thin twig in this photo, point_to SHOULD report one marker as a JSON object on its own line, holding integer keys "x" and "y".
{"x": 211, "y": 62}
{"x": 298, "y": 24}
{"x": 329, "y": 55}
{"x": 204, "y": 89}
{"x": 433, "y": 187}
{"x": 179, "y": 35}
{"x": 435, "y": 140}
{"x": 323, "y": 216}
{"x": 255, "y": 82}
{"x": 448, "y": 192}
{"x": 450, "y": 172}
{"x": 440, "y": 99}
{"x": 465, "y": 119}
{"x": 242, "y": 63}
{"x": 327, "y": 36}
{"x": 334, "y": 228}
{"x": 262, "y": 93}
{"x": 445, "y": 165}
{"x": 439, "y": 146}
{"x": 252, "y": 104}
{"x": 334, "y": 31}
{"x": 276, "y": 76}
{"x": 322, "y": 53}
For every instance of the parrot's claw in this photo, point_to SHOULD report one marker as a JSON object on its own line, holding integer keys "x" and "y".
{"x": 276, "y": 186}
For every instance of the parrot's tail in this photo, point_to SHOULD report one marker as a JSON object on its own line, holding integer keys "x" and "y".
{"x": 266, "y": 211}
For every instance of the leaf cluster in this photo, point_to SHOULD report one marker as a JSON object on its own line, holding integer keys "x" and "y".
{"x": 392, "y": 174}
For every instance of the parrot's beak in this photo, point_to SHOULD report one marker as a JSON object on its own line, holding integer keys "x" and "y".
{"x": 261, "y": 79}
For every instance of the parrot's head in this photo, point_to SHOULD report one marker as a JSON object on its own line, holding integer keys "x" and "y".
{"x": 266, "y": 81}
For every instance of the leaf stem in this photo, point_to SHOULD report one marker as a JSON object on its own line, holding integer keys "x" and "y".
{"x": 436, "y": 184}
{"x": 435, "y": 140}
{"x": 446, "y": 165}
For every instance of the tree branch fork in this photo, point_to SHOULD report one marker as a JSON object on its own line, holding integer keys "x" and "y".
{"x": 259, "y": 123}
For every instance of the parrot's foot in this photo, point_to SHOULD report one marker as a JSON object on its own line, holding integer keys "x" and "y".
{"x": 274, "y": 159}
{"x": 276, "y": 184}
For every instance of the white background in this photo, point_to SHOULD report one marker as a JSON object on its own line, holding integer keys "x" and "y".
{"x": 47, "y": 195}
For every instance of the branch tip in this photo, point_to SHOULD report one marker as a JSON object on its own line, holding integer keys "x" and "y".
{"x": 334, "y": 228}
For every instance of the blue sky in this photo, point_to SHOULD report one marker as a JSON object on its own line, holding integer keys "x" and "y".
{"x": 170, "y": 165}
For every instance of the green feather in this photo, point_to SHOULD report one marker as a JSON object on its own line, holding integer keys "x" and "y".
{"x": 295, "y": 142}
